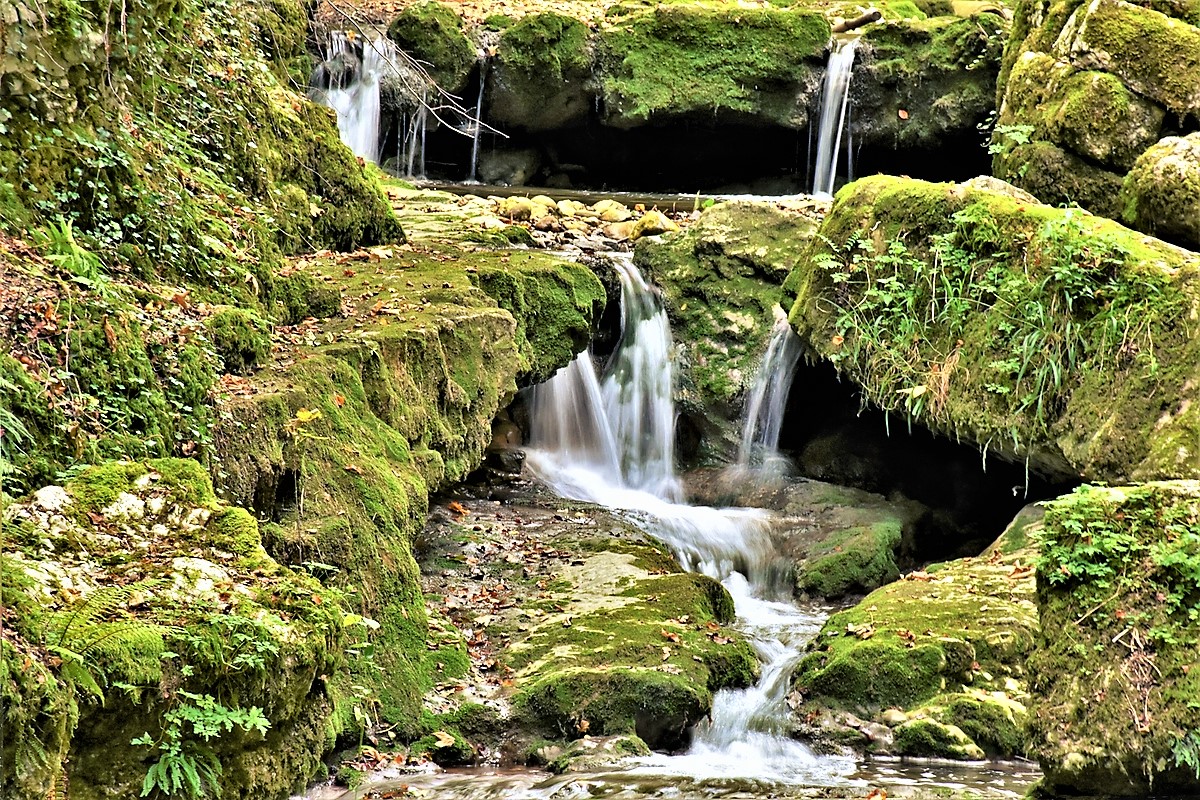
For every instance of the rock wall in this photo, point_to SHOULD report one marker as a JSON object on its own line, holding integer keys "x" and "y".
{"x": 1098, "y": 104}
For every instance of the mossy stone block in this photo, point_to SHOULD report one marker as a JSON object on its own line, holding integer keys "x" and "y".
{"x": 542, "y": 76}
{"x": 241, "y": 338}
{"x": 1161, "y": 194}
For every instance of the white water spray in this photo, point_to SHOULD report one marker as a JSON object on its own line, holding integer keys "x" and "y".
{"x": 610, "y": 443}
{"x": 348, "y": 82}
{"x": 763, "y": 422}
{"x": 835, "y": 105}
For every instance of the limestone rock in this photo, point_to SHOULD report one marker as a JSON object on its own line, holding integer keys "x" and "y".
{"x": 541, "y": 77}
{"x": 1059, "y": 177}
{"x": 653, "y": 223}
{"x": 432, "y": 32}
{"x": 520, "y": 209}
{"x": 1161, "y": 194}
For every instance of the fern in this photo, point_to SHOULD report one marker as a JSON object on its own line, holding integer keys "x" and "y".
{"x": 83, "y": 637}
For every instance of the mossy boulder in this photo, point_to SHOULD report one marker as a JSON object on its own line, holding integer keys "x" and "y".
{"x": 700, "y": 60}
{"x": 433, "y": 32}
{"x": 720, "y": 280}
{"x": 1031, "y": 354}
{"x": 1091, "y": 113}
{"x": 1059, "y": 177}
{"x": 1161, "y": 194}
{"x": 542, "y": 76}
{"x": 1114, "y": 676}
{"x": 947, "y": 645}
{"x": 150, "y": 596}
{"x": 923, "y": 82}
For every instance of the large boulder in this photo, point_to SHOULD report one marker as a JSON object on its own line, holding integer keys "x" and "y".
{"x": 1046, "y": 335}
{"x": 542, "y": 75}
{"x": 1116, "y": 673}
{"x": 1161, "y": 193}
{"x": 696, "y": 61}
{"x": 720, "y": 280}
{"x": 433, "y": 33}
{"x": 1088, "y": 87}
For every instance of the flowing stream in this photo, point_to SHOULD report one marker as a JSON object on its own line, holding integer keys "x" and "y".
{"x": 611, "y": 442}
{"x": 759, "y": 446}
{"x": 835, "y": 107}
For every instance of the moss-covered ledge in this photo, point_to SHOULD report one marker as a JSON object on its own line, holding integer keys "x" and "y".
{"x": 143, "y": 599}
{"x": 1039, "y": 333}
{"x": 1115, "y": 675}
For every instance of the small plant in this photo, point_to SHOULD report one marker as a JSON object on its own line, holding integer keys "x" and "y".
{"x": 1005, "y": 138}
{"x": 1186, "y": 751}
{"x": 186, "y": 767}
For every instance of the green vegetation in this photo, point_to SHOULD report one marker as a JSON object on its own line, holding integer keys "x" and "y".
{"x": 1119, "y": 600}
{"x": 432, "y": 32}
{"x": 852, "y": 560}
{"x": 734, "y": 61}
{"x": 1020, "y": 327}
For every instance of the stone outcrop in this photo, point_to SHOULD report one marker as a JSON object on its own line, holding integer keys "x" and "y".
{"x": 1050, "y": 336}
{"x": 1089, "y": 87}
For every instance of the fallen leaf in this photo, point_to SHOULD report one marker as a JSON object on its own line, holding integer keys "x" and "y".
{"x": 670, "y": 636}
{"x": 443, "y": 739}
{"x": 902, "y": 114}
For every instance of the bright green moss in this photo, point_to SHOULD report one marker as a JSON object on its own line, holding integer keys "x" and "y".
{"x": 432, "y": 32}
{"x": 241, "y": 339}
{"x": 853, "y": 560}
{"x": 927, "y": 737}
{"x": 733, "y": 61}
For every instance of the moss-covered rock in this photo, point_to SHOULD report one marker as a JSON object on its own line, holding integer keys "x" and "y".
{"x": 241, "y": 339}
{"x": 678, "y": 61}
{"x": 1058, "y": 340}
{"x": 1114, "y": 677}
{"x": 432, "y": 32}
{"x": 947, "y": 645}
{"x": 1161, "y": 194}
{"x": 941, "y": 73}
{"x": 1091, "y": 113}
{"x": 720, "y": 280}
{"x": 152, "y": 598}
{"x": 542, "y": 75}
{"x": 1059, "y": 177}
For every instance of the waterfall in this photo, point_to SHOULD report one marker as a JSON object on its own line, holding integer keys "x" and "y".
{"x": 768, "y": 399}
{"x": 610, "y": 441}
{"x": 348, "y": 82}
{"x": 835, "y": 107}
{"x": 477, "y": 123}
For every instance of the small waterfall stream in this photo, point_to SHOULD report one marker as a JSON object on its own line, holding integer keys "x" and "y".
{"x": 348, "y": 82}
{"x": 610, "y": 442}
{"x": 835, "y": 106}
{"x": 477, "y": 123}
{"x": 759, "y": 446}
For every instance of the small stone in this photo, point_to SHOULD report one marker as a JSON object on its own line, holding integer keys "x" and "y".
{"x": 51, "y": 498}
{"x": 653, "y": 223}
{"x": 612, "y": 211}
{"x": 517, "y": 208}
{"x": 620, "y": 231}
{"x": 126, "y": 507}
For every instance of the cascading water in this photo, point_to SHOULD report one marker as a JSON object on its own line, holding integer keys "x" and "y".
{"x": 835, "y": 105}
{"x": 610, "y": 442}
{"x": 759, "y": 445}
{"x": 477, "y": 123}
{"x": 348, "y": 82}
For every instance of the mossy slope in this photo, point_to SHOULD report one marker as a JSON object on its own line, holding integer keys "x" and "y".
{"x": 1114, "y": 676}
{"x": 1047, "y": 334}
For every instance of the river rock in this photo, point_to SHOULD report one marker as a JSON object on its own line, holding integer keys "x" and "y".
{"x": 653, "y": 223}
{"x": 1161, "y": 194}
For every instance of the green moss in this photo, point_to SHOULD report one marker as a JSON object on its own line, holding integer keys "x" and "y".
{"x": 995, "y": 727}
{"x": 1161, "y": 194}
{"x": 853, "y": 560}
{"x": 926, "y": 737}
{"x": 1118, "y": 587}
{"x": 300, "y": 295}
{"x": 555, "y": 304}
{"x": 1075, "y": 277}
{"x": 433, "y": 32}
{"x": 242, "y": 340}
{"x": 734, "y": 62}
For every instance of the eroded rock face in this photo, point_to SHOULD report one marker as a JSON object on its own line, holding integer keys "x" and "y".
{"x": 1114, "y": 677}
{"x": 1086, "y": 89}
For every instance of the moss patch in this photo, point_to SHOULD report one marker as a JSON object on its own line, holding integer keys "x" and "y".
{"x": 432, "y": 32}
{"x": 741, "y": 62}
{"x": 1117, "y": 593}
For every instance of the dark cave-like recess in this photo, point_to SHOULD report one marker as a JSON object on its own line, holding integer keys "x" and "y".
{"x": 831, "y": 436}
